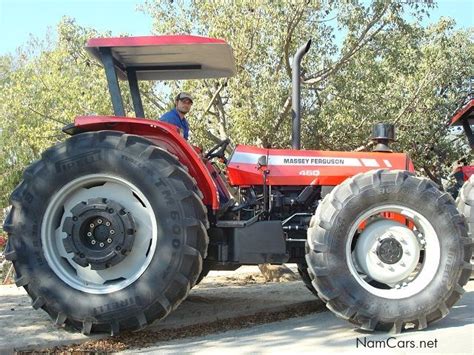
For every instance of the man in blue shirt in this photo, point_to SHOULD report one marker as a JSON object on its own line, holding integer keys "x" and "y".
{"x": 183, "y": 103}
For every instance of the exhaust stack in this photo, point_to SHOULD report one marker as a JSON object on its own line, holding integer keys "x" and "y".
{"x": 296, "y": 95}
{"x": 382, "y": 135}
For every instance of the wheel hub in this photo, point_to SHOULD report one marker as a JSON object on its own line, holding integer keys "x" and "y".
{"x": 100, "y": 233}
{"x": 389, "y": 251}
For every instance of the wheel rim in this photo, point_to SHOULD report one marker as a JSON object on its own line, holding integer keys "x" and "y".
{"x": 390, "y": 260}
{"x": 124, "y": 272}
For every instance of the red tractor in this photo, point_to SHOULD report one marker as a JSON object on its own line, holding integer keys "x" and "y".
{"x": 463, "y": 187}
{"x": 463, "y": 117}
{"x": 110, "y": 229}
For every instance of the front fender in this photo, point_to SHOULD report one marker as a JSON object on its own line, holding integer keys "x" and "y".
{"x": 164, "y": 135}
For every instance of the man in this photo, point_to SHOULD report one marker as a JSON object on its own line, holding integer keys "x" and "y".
{"x": 176, "y": 116}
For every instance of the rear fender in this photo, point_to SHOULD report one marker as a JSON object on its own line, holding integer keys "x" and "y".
{"x": 164, "y": 135}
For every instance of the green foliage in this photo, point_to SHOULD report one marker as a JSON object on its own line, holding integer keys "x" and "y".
{"x": 411, "y": 78}
{"x": 43, "y": 88}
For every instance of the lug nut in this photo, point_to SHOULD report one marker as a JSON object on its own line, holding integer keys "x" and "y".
{"x": 107, "y": 224}
{"x": 403, "y": 264}
{"x": 91, "y": 225}
{"x": 379, "y": 263}
{"x": 93, "y": 242}
{"x": 391, "y": 268}
{"x": 407, "y": 253}
{"x": 109, "y": 240}
{"x": 111, "y": 210}
{"x": 99, "y": 221}
{"x": 101, "y": 244}
{"x": 89, "y": 234}
{"x": 112, "y": 232}
{"x": 74, "y": 218}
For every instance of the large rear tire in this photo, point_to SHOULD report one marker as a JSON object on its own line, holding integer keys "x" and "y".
{"x": 205, "y": 271}
{"x": 378, "y": 273}
{"x": 107, "y": 232}
{"x": 465, "y": 203}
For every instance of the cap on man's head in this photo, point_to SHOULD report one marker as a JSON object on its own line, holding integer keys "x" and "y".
{"x": 184, "y": 95}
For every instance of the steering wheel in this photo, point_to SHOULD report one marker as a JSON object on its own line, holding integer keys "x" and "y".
{"x": 218, "y": 151}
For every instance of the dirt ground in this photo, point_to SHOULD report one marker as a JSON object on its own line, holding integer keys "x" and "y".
{"x": 223, "y": 301}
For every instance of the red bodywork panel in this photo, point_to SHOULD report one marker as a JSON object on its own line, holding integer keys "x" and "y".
{"x": 467, "y": 171}
{"x": 307, "y": 167}
{"x": 147, "y": 41}
{"x": 164, "y": 135}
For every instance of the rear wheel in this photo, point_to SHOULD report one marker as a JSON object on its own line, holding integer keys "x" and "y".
{"x": 205, "y": 271}
{"x": 107, "y": 232}
{"x": 388, "y": 251}
{"x": 465, "y": 203}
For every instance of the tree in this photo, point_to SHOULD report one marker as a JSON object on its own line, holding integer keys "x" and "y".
{"x": 386, "y": 68}
{"x": 411, "y": 78}
{"x": 43, "y": 88}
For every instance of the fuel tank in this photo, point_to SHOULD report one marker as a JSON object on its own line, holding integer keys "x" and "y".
{"x": 306, "y": 167}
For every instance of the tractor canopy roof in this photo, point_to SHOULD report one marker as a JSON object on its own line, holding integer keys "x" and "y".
{"x": 171, "y": 57}
{"x": 465, "y": 113}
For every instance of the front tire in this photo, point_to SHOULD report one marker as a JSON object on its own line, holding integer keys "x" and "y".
{"x": 107, "y": 232}
{"x": 377, "y": 272}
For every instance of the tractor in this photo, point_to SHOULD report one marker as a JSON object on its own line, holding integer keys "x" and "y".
{"x": 463, "y": 188}
{"x": 111, "y": 228}
{"x": 462, "y": 117}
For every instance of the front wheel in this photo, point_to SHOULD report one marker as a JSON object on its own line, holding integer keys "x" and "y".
{"x": 388, "y": 251}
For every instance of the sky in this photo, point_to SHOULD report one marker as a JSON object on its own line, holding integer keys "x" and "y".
{"x": 21, "y": 18}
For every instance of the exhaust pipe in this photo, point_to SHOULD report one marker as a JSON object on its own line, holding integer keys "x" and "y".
{"x": 295, "y": 95}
